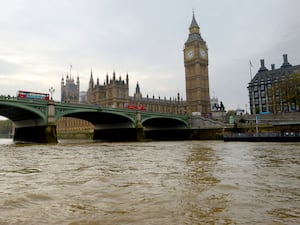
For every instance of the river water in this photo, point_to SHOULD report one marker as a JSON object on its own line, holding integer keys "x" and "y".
{"x": 151, "y": 183}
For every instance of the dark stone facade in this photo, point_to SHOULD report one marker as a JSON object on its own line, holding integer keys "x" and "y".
{"x": 275, "y": 90}
{"x": 70, "y": 90}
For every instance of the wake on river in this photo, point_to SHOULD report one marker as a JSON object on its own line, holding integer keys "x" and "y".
{"x": 180, "y": 182}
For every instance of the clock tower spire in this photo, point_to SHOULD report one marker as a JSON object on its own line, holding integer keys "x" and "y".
{"x": 196, "y": 71}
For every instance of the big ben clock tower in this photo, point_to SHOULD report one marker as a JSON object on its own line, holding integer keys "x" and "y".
{"x": 196, "y": 71}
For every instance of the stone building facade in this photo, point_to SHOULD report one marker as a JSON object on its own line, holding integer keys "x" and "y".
{"x": 196, "y": 72}
{"x": 275, "y": 90}
{"x": 70, "y": 89}
{"x": 152, "y": 104}
{"x": 112, "y": 93}
{"x": 115, "y": 93}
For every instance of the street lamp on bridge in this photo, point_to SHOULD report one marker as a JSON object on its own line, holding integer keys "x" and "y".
{"x": 51, "y": 90}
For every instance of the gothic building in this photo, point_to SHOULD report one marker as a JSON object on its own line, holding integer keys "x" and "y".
{"x": 275, "y": 90}
{"x": 115, "y": 93}
{"x": 175, "y": 105}
{"x": 70, "y": 90}
{"x": 196, "y": 71}
{"x": 112, "y": 93}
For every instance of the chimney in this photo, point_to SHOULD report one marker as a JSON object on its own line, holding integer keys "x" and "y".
{"x": 262, "y": 66}
{"x": 272, "y": 66}
{"x": 285, "y": 61}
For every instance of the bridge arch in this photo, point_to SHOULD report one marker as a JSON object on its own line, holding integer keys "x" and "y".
{"x": 98, "y": 117}
{"x": 24, "y": 114}
{"x": 162, "y": 128}
{"x": 163, "y": 122}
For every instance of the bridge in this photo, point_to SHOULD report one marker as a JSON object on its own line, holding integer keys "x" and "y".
{"x": 35, "y": 121}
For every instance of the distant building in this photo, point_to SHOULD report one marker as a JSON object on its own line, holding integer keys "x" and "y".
{"x": 275, "y": 90}
{"x": 174, "y": 105}
{"x": 70, "y": 90}
{"x": 82, "y": 97}
{"x": 115, "y": 93}
{"x": 112, "y": 93}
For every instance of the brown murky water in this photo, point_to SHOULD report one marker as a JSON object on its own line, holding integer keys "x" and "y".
{"x": 189, "y": 182}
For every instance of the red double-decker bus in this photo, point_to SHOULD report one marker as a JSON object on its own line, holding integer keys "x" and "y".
{"x": 136, "y": 107}
{"x": 33, "y": 95}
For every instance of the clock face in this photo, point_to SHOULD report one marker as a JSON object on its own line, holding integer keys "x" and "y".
{"x": 202, "y": 53}
{"x": 190, "y": 54}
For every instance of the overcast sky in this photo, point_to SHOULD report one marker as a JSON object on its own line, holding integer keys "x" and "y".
{"x": 40, "y": 39}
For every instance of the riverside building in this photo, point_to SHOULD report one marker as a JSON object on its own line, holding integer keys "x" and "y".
{"x": 276, "y": 90}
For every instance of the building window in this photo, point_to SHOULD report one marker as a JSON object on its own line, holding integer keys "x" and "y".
{"x": 269, "y": 84}
{"x": 270, "y": 99}
{"x": 278, "y": 108}
{"x": 285, "y": 107}
{"x": 262, "y": 86}
{"x": 269, "y": 94}
{"x": 270, "y": 106}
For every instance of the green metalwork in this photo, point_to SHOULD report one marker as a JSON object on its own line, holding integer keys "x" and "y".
{"x": 181, "y": 118}
{"x": 40, "y": 108}
{"x": 62, "y": 110}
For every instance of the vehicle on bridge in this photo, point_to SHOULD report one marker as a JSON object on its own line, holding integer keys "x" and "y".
{"x": 33, "y": 95}
{"x": 136, "y": 107}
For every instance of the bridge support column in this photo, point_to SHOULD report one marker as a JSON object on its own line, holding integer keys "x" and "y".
{"x": 36, "y": 134}
{"x": 50, "y": 131}
{"x": 39, "y": 133}
{"x": 140, "y": 133}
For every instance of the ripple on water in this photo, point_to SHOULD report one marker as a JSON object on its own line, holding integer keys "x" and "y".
{"x": 26, "y": 171}
{"x": 192, "y": 182}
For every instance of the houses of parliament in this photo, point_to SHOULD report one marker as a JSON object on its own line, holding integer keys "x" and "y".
{"x": 114, "y": 91}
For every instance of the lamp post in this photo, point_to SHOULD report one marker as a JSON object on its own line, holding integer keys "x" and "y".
{"x": 51, "y": 90}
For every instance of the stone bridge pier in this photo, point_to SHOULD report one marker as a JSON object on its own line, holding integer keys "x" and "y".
{"x": 35, "y": 132}
{"x": 122, "y": 130}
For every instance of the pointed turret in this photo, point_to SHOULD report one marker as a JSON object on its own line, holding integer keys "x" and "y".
{"x": 194, "y": 29}
{"x": 91, "y": 83}
{"x": 127, "y": 79}
{"x": 137, "y": 94}
{"x": 137, "y": 88}
{"x": 78, "y": 80}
